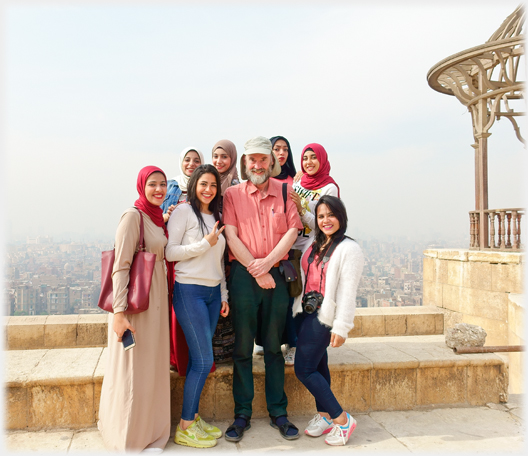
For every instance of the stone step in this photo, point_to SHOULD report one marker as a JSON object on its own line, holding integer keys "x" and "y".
{"x": 75, "y": 331}
{"x": 60, "y": 388}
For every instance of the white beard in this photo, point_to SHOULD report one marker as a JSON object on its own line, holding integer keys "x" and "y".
{"x": 258, "y": 179}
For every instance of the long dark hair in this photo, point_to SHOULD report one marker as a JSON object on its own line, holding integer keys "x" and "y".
{"x": 336, "y": 207}
{"x": 192, "y": 199}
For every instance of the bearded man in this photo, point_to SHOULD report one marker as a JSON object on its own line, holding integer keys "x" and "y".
{"x": 260, "y": 229}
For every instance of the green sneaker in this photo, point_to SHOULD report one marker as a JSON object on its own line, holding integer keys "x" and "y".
{"x": 194, "y": 436}
{"x": 209, "y": 428}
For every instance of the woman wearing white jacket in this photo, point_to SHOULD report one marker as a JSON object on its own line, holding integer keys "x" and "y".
{"x": 330, "y": 269}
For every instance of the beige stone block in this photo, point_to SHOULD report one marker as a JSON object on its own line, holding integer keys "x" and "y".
{"x": 26, "y": 333}
{"x": 455, "y": 273}
{"x": 60, "y": 331}
{"x": 477, "y": 275}
{"x": 430, "y": 253}
{"x": 455, "y": 298}
{"x": 439, "y": 323}
{"x": 357, "y": 330}
{"x": 516, "y": 372}
{"x": 64, "y": 366}
{"x": 507, "y": 278}
{"x": 396, "y": 325}
{"x": 421, "y": 324}
{"x": 393, "y": 389}
{"x": 260, "y": 407}
{"x": 516, "y": 321}
{"x": 487, "y": 383}
{"x": 439, "y": 385}
{"x": 492, "y": 304}
{"x": 68, "y": 406}
{"x": 92, "y": 330}
{"x": 497, "y": 332}
{"x": 176, "y": 383}
{"x": 97, "y": 398}
{"x": 429, "y": 271}
{"x": 224, "y": 403}
{"x": 354, "y": 392}
{"x": 455, "y": 255}
{"x": 432, "y": 294}
{"x": 451, "y": 318}
{"x": 300, "y": 401}
{"x": 441, "y": 270}
{"x": 20, "y": 364}
{"x": 495, "y": 257}
{"x": 16, "y": 409}
{"x": 373, "y": 325}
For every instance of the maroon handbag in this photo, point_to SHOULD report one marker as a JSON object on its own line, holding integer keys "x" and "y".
{"x": 140, "y": 279}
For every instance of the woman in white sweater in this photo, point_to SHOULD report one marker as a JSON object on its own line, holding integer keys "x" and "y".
{"x": 200, "y": 295}
{"x": 330, "y": 271}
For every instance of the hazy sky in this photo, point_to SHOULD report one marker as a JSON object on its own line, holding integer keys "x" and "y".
{"x": 93, "y": 93}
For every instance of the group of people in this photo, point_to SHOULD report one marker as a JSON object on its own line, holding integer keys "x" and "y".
{"x": 269, "y": 216}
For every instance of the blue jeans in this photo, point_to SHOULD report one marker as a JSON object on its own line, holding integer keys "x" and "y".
{"x": 311, "y": 363}
{"x": 197, "y": 309}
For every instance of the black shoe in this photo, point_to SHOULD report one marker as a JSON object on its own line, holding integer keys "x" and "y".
{"x": 239, "y": 430}
{"x": 283, "y": 429}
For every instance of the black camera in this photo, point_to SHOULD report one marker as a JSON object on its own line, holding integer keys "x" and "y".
{"x": 311, "y": 301}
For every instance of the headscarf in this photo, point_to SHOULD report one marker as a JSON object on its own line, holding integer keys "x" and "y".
{"x": 288, "y": 169}
{"x": 154, "y": 212}
{"x": 156, "y": 215}
{"x": 230, "y": 149}
{"x": 322, "y": 176}
{"x": 183, "y": 179}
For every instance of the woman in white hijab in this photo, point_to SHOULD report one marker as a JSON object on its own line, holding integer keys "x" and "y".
{"x": 190, "y": 159}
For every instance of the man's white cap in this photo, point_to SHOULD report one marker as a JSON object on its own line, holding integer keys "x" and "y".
{"x": 259, "y": 145}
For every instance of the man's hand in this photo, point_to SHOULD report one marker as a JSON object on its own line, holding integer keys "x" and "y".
{"x": 259, "y": 267}
{"x": 266, "y": 281}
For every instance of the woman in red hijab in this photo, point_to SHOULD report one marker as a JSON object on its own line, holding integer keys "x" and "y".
{"x": 134, "y": 412}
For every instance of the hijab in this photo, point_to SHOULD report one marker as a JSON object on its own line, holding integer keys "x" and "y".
{"x": 288, "y": 169}
{"x": 156, "y": 215}
{"x": 230, "y": 149}
{"x": 322, "y": 177}
{"x": 154, "y": 212}
{"x": 183, "y": 179}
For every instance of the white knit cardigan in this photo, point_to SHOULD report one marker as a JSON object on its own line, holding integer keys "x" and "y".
{"x": 342, "y": 279}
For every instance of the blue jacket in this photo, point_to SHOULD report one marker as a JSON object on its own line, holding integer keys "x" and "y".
{"x": 172, "y": 196}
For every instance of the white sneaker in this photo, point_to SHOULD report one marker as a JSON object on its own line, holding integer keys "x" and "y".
{"x": 339, "y": 435}
{"x": 289, "y": 357}
{"x": 318, "y": 426}
{"x": 259, "y": 350}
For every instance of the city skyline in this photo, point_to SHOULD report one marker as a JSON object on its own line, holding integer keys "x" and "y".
{"x": 96, "y": 92}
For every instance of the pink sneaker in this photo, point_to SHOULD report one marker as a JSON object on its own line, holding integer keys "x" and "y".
{"x": 339, "y": 435}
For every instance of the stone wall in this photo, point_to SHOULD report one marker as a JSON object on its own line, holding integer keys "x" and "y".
{"x": 482, "y": 288}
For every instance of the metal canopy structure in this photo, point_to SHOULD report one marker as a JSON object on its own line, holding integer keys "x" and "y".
{"x": 485, "y": 80}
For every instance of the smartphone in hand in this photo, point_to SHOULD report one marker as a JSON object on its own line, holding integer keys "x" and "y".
{"x": 128, "y": 340}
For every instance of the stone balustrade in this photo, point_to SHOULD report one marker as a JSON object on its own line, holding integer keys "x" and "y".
{"x": 503, "y": 229}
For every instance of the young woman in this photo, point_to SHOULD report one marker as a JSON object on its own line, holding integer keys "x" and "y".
{"x": 224, "y": 156}
{"x": 190, "y": 159}
{"x": 224, "y": 160}
{"x": 326, "y": 312}
{"x": 314, "y": 183}
{"x": 200, "y": 295}
{"x": 134, "y": 412}
{"x": 282, "y": 150}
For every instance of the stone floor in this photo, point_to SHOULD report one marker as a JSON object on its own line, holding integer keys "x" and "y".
{"x": 491, "y": 429}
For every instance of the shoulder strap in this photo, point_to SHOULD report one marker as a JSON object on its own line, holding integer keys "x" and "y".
{"x": 141, "y": 241}
{"x": 285, "y": 194}
{"x": 331, "y": 249}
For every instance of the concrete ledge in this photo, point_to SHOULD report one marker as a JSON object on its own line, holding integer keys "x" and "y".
{"x": 485, "y": 256}
{"x": 55, "y": 331}
{"x": 60, "y": 388}
{"x": 397, "y": 321}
